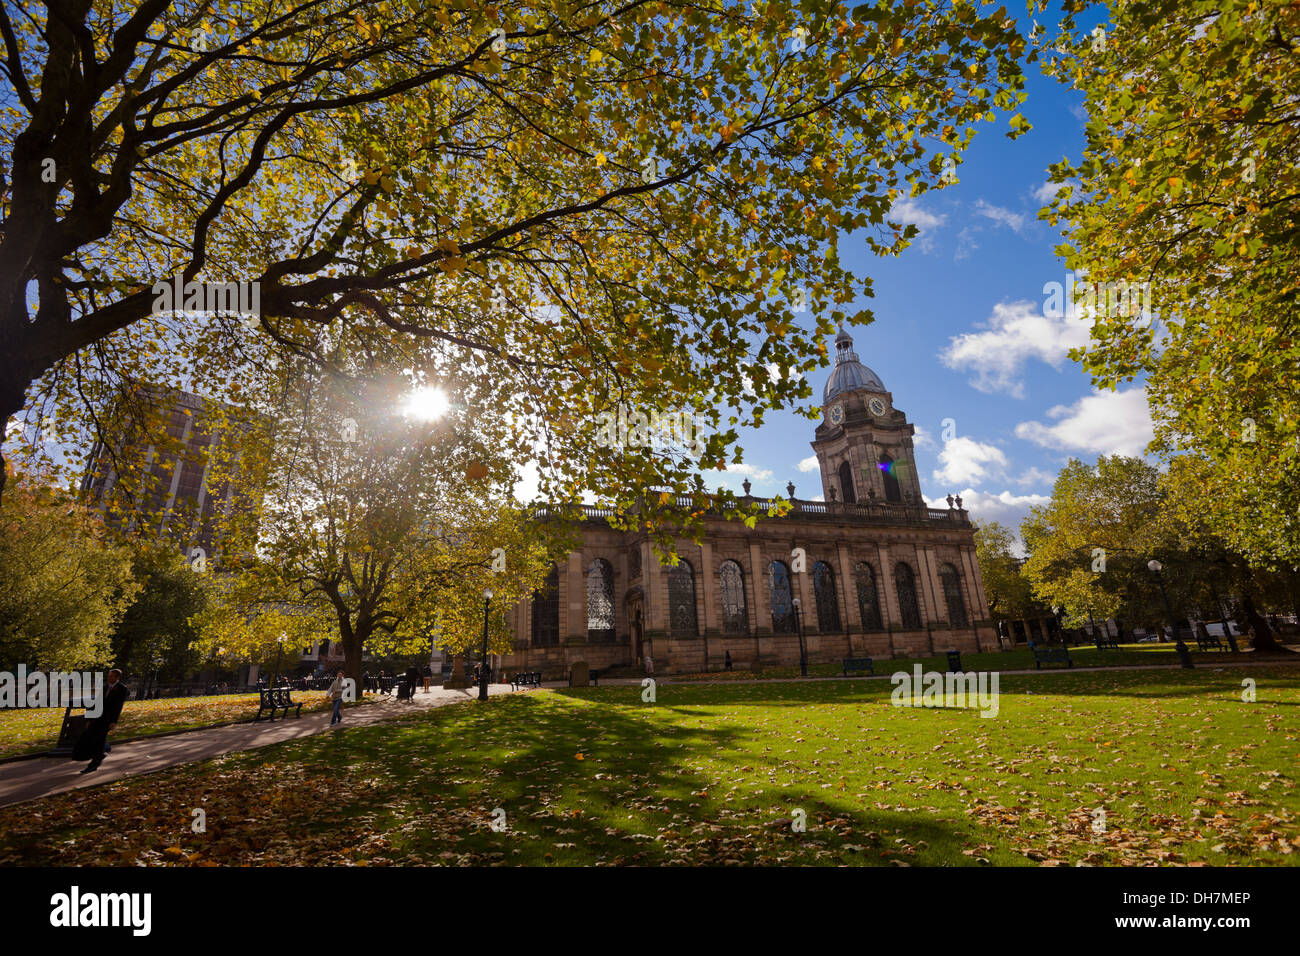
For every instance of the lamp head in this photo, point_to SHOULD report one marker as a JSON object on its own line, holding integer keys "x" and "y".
{"x": 1154, "y": 565}
{"x": 797, "y": 605}
{"x": 487, "y": 594}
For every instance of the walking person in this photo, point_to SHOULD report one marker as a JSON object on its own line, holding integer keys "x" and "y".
{"x": 93, "y": 742}
{"x": 428, "y": 677}
{"x": 336, "y": 695}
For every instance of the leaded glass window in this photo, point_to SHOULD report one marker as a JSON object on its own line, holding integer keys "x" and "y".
{"x": 681, "y": 600}
{"x": 732, "y": 585}
{"x": 905, "y": 584}
{"x": 951, "y": 581}
{"x": 868, "y": 598}
{"x": 778, "y": 588}
{"x": 828, "y": 607}
{"x": 546, "y": 610}
{"x": 600, "y": 601}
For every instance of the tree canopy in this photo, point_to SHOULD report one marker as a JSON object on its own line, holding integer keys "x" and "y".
{"x": 1190, "y": 180}
{"x": 597, "y": 204}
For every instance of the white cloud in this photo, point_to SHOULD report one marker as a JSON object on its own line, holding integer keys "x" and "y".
{"x": 1016, "y": 221}
{"x": 753, "y": 471}
{"x": 909, "y": 213}
{"x": 1005, "y": 507}
{"x": 1104, "y": 423}
{"x": 1017, "y": 332}
{"x": 1045, "y": 193}
{"x": 966, "y": 460}
{"x": 1035, "y": 476}
{"x": 921, "y": 438}
{"x": 809, "y": 464}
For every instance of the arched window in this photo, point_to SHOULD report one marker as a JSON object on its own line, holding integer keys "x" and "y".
{"x": 732, "y": 584}
{"x": 681, "y": 600}
{"x": 600, "y": 601}
{"x": 868, "y": 598}
{"x": 828, "y": 607}
{"x": 546, "y": 610}
{"x": 889, "y": 469}
{"x": 951, "y": 581}
{"x": 846, "y": 483}
{"x": 778, "y": 589}
{"x": 905, "y": 585}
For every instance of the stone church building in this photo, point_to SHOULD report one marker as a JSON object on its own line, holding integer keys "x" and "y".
{"x": 871, "y": 571}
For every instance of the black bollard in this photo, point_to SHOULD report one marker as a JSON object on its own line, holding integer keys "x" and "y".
{"x": 1184, "y": 655}
{"x": 954, "y": 662}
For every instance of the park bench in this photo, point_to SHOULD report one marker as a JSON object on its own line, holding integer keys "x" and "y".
{"x": 526, "y": 679}
{"x": 284, "y": 701}
{"x": 1208, "y": 642}
{"x": 1105, "y": 642}
{"x": 269, "y": 699}
{"x": 1050, "y": 655}
{"x": 857, "y": 664}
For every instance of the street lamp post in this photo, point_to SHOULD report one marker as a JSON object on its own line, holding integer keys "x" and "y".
{"x": 483, "y": 666}
{"x": 279, "y": 649}
{"x": 798, "y": 626}
{"x": 1183, "y": 654}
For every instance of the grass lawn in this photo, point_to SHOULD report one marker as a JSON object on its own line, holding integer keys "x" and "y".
{"x": 1019, "y": 659}
{"x": 25, "y": 731}
{"x": 1186, "y": 771}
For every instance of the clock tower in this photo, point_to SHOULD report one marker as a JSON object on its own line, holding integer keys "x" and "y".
{"x": 863, "y": 444}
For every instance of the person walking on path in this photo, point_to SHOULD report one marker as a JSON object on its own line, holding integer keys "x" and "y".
{"x": 93, "y": 742}
{"x": 428, "y": 677}
{"x": 336, "y": 695}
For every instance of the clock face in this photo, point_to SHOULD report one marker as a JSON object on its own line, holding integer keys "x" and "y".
{"x": 877, "y": 406}
{"x": 837, "y": 414}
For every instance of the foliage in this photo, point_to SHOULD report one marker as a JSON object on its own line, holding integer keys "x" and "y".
{"x": 1190, "y": 181}
{"x": 64, "y": 584}
{"x": 1089, "y": 547}
{"x": 1009, "y": 594}
{"x": 155, "y": 633}
{"x": 579, "y": 208}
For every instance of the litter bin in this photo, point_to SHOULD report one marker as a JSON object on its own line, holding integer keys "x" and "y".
{"x": 74, "y": 725}
{"x": 954, "y": 662}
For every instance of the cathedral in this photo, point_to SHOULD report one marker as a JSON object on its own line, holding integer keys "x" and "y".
{"x": 869, "y": 571}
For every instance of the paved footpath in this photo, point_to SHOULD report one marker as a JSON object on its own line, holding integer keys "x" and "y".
{"x": 23, "y": 780}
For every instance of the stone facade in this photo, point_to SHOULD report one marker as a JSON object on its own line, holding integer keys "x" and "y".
{"x": 874, "y": 571}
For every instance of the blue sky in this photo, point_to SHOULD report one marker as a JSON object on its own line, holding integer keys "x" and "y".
{"x": 963, "y": 331}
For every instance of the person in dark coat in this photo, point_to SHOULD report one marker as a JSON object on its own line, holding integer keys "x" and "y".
{"x": 412, "y": 678}
{"x": 93, "y": 742}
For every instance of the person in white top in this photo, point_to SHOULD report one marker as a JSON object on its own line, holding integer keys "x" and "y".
{"x": 336, "y": 695}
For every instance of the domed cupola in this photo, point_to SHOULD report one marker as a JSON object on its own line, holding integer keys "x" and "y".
{"x": 849, "y": 373}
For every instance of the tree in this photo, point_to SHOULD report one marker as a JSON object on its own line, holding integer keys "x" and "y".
{"x": 156, "y": 633}
{"x": 1089, "y": 547}
{"x": 1009, "y": 594}
{"x": 64, "y": 584}
{"x": 609, "y": 205}
{"x": 1190, "y": 181}
{"x": 373, "y": 517}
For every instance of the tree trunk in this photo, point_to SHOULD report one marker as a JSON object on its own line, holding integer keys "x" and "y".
{"x": 1262, "y": 638}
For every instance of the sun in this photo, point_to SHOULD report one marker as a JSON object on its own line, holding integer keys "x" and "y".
{"x": 426, "y": 404}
